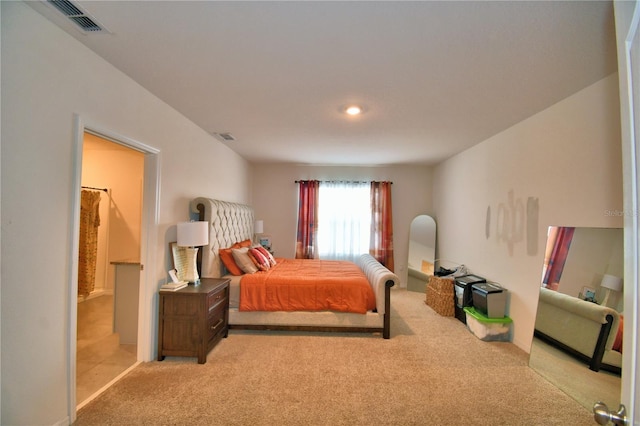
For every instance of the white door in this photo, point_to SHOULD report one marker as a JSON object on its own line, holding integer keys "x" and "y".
{"x": 627, "y": 14}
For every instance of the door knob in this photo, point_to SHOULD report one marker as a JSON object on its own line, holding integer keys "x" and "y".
{"x": 603, "y": 416}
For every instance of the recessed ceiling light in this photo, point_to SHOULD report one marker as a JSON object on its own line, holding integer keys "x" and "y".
{"x": 353, "y": 110}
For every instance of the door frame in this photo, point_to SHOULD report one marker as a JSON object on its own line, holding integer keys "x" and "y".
{"x": 627, "y": 15}
{"x": 148, "y": 242}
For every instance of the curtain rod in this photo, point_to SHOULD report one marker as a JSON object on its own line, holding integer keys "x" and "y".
{"x": 346, "y": 181}
{"x": 96, "y": 189}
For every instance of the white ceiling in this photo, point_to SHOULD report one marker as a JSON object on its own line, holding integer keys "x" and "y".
{"x": 434, "y": 77}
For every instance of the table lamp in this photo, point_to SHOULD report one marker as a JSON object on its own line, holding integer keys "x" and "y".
{"x": 258, "y": 228}
{"x": 610, "y": 282}
{"x": 192, "y": 235}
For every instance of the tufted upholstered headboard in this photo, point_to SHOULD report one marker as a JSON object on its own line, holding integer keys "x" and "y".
{"x": 228, "y": 223}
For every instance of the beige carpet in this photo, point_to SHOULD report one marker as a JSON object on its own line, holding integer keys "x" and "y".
{"x": 431, "y": 372}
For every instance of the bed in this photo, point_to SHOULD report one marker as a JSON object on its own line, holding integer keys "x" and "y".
{"x": 231, "y": 223}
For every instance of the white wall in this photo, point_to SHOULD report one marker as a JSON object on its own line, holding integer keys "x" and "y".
{"x": 275, "y": 197}
{"x": 47, "y": 76}
{"x": 567, "y": 157}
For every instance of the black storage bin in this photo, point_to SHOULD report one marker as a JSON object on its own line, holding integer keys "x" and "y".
{"x": 463, "y": 294}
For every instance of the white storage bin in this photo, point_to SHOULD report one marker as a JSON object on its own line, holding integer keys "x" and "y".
{"x": 488, "y": 329}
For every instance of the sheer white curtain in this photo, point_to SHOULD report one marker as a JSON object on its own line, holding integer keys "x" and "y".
{"x": 344, "y": 220}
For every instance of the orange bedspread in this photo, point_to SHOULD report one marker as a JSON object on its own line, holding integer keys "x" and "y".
{"x": 307, "y": 285}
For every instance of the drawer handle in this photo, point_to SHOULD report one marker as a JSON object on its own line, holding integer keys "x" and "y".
{"x": 220, "y": 321}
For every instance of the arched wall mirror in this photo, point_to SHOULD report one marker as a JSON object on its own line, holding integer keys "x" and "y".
{"x": 577, "y": 343}
{"x": 422, "y": 252}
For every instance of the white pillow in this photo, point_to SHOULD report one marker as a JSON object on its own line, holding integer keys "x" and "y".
{"x": 244, "y": 262}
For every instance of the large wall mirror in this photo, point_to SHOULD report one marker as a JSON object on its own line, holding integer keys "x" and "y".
{"x": 422, "y": 252}
{"x": 581, "y": 284}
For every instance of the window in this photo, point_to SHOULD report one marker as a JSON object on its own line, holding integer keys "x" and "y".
{"x": 344, "y": 220}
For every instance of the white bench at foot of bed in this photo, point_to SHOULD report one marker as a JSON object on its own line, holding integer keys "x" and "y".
{"x": 381, "y": 281}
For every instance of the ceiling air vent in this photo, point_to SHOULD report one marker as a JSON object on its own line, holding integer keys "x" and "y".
{"x": 79, "y": 17}
{"x": 225, "y": 137}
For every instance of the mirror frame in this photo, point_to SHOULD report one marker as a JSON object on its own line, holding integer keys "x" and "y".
{"x": 421, "y": 253}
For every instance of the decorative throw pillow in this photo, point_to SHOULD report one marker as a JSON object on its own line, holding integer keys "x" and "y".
{"x": 241, "y": 256}
{"x": 261, "y": 261}
{"x": 227, "y": 257}
{"x": 617, "y": 344}
{"x": 229, "y": 262}
{"x": 266, "y": 254}
{"x": 245, "y": 243}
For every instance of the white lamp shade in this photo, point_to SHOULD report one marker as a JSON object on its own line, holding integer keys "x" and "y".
{"x": 258, "y": 227}
{"x": 193, "y": 234}
{"x": 611, "y": 282}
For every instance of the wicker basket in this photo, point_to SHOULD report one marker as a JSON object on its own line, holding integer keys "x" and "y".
{"x": 440, "y": 296}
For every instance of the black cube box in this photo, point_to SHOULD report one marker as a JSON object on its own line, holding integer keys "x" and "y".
{"x": 463, "y": 294}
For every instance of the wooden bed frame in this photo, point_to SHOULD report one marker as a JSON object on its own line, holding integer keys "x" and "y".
{"x": 231, "y": 222}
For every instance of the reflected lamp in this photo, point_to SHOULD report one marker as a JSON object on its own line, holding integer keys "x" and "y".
{"x": 610, "y": 282}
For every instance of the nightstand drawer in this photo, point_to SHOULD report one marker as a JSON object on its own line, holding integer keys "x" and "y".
{"x": 215, "y": 299}
{"x": 216, "y": 322}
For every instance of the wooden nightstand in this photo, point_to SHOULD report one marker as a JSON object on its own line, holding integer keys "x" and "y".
{"x": 194, "y": 319}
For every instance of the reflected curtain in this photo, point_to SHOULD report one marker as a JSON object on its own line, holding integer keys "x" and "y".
{"x": 381, "y": 246}
{"x": 306, "y": 242}
{"x": 88, "y": 247}
{"x": 558, "y": 243}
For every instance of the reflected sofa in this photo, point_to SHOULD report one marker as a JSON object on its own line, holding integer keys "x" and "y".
{"x": 584, "y": 329}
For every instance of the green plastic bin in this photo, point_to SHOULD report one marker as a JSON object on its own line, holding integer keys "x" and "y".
{"x": 488, "y": 329}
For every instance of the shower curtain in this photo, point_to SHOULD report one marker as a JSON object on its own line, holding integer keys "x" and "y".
{"x": 88, "y": 250}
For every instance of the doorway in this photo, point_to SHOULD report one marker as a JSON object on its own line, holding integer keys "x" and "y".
{"x": 109, "y": 263}
{"x": 146, "y": 273}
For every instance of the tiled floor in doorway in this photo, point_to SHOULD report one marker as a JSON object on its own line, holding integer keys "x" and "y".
{"x": 100, "y": 356}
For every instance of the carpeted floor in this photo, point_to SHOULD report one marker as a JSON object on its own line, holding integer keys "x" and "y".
{"x": 431, "y": 372}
